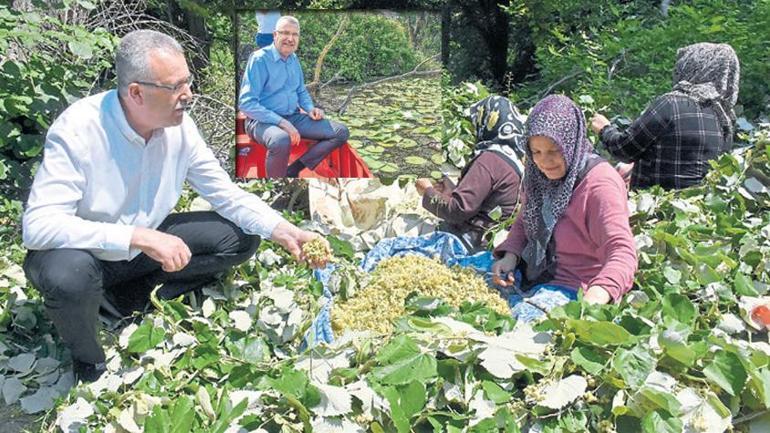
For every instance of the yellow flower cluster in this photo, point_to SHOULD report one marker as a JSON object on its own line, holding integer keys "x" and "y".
{"x": 317, "y": 250}
{"x": 382, "y": 300}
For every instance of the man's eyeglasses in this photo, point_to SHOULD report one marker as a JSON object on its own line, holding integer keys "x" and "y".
{"x": 284, "y": 33}
{"x": 177, "y": 88}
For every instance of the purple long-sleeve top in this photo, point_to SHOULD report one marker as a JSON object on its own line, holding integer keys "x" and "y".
{"x": 593, "y": 239}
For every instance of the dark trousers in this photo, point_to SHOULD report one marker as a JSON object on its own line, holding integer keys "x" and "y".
{"x": 73, "y": 282}
{"x": 330, "y": 134}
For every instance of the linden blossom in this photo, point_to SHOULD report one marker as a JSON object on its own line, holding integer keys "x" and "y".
{"x": 382, "y": 301}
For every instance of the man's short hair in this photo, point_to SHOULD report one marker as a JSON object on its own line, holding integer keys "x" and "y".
{"x": 287, "y": 19}
{"x": 132, "y": 61}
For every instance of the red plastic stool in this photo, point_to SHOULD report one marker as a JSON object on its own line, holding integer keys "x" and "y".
{"x": 342, "y": 162}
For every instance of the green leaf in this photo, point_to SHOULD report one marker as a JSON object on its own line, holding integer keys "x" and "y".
{"x": 341, "y": 247}
{"x": 145, "y": 337}
{"x": 760, "y": 382}
{"x": 633, "y": 365}
{"x": 726, "y": 370}
{"x": 589, "y": 359}
{"x": 405, "y": 402}
{"x": 182, "y": 415}
{"x": 291, "y": 382}
{"x": 601, "y": 333}
{"x": 81, "y": 49}
{"x": 674, "y": 343}
{"x": 413, "y": 398}
{"x": 672, "y": 275}
{"x": 661, "y": 422}
{"x": 679, "y": 307}
{"x": 495, "y": 393}
{"x": 415, "y": 160}
{"x": 159, "y": 421}
{"x": 402, "y": 361}
{"x": 249, "y": 349}
{"x": 744, "y": 286}
{"x": 438, "y": 158}
{"x": 651, "y": 400}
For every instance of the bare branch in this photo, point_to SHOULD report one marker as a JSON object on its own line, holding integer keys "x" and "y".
{"x": 313, "y": 87}
{"x": 414, "y": 72}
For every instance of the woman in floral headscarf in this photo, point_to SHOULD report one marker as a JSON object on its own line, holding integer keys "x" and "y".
{"x": 573, "y": 231}
{"x": 673, "y": 140}
{"x": 490, "y": 180}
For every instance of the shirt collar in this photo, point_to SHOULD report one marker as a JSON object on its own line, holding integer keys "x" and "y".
{"x": 119, "y": 117}
{"x": 276, "y": 55}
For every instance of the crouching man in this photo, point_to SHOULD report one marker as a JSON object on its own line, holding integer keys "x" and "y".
{"x": 98, "y": 220}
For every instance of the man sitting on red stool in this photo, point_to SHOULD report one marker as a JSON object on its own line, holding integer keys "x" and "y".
{"x": 272, "y": 93}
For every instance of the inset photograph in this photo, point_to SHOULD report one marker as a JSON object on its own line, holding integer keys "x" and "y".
{"x": 338, "y": 94}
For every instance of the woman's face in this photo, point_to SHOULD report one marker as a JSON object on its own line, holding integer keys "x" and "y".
{"x": 547, "y": 157}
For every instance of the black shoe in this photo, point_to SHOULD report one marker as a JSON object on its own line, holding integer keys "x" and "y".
{"x": 86, "y": 372}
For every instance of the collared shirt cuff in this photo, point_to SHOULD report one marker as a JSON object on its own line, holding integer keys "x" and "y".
{"x": 117, "y": 239}
{"x": 267, "y": 224}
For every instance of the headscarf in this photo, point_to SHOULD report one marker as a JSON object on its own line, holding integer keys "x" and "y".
{"x": 499, "y": 129}
{"x": 709, "y": 74}
{"x": 559, "y": 119}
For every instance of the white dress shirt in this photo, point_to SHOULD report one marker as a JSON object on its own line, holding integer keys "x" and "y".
{"x": 99, "y": 179}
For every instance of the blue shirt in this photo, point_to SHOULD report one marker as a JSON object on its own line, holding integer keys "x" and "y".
{"x": 273, "y": 87}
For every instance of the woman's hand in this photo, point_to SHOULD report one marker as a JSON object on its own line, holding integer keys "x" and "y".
{"x": 502, "y": 270}
{"x": 422, "y": 184}
{"x": 596, "y": 295}
{"x": 598, "y": 122}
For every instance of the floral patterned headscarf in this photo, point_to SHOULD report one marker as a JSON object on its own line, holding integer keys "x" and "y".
{"x": 499, "y": 128}
{"x": 559, "y": 119}
{"x": 709, "y": 74}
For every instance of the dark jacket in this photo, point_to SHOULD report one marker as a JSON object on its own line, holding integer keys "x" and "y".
{"x": 670, "y": 144}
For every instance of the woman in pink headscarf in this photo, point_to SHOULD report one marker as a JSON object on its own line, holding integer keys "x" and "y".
{"x": 573, "y": 231}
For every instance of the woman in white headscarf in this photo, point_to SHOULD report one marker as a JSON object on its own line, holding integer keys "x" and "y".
{"x": 671, "y": 143}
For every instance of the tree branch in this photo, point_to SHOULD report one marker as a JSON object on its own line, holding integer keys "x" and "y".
{"x": 559, "y": 81}
{"x": 414, "y": 72}
{"x": 314, "y": 87}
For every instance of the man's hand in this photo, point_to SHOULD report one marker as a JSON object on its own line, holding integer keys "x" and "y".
{"x": 168, "y": 250}
{"x": 292, "y": 238}
{"x": 502, "y": 270}
{"x": 422, "y": 184}
{"x": 596, "y": 295}
{"x": 598, "y": 122}
{"x": 291, "y": 130}
{"x": 316, "y": 113}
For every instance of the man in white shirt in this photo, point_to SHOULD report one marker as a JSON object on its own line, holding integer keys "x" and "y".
{"x": 99, "y": 220}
